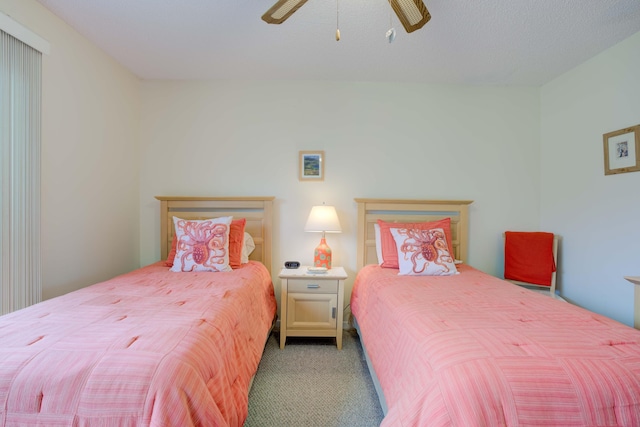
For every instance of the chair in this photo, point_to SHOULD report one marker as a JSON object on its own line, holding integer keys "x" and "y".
{"x": 530, "y": 259}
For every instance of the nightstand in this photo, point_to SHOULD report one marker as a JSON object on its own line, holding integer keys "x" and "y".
{"x": 311, "y": 304}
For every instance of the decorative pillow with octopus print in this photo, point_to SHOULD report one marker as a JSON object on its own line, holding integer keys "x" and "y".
{"x": 202, "y": 245}
{"x": 423, "y": 252}
{"x": 389, "y": 249}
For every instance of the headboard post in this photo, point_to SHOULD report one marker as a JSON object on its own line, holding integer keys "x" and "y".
{"x": 405, "y": 210}
{"x": 164, "y": 239}
{"x": 267, "y": 231}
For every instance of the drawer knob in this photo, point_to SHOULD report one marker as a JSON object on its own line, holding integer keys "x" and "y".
{"x": 311, "y": 286}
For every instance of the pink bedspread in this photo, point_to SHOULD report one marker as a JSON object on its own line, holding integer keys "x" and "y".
{"x": 150, "y": 347}
{"x": 473, "y": 350}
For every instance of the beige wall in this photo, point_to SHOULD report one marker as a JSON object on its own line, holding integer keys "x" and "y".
{"x": 596, "y": 215}
{"x": 90, "y": 158}
{"x": 380, "y": 140}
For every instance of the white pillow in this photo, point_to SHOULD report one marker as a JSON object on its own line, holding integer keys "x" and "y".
{"x": 376, "y": 229}
{"x": 248, "y": 245}
{"x": 423, "y": 252}
{"x": 202, "y": 245}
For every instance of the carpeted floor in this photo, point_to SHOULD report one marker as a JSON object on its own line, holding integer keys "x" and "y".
{"x": 311, "y": 383}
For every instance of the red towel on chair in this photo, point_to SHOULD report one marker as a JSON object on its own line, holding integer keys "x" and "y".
{"x": 528, "y": 257}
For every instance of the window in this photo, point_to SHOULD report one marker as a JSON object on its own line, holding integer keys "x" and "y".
{"x": 20, "y": 117}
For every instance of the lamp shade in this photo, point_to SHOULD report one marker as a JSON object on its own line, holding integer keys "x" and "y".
{"x": 323, "y": 219}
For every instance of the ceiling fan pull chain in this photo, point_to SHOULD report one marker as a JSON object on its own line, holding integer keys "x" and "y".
{"x": 337, "y": 22}
{"x": 391, "y": 32}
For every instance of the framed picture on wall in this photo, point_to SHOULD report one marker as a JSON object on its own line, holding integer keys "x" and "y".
{"x": 622, "y": 151}
{"x": 311, "y": 166}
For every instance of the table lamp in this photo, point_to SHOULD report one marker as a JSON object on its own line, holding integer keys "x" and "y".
{"x": 323, "y": 219}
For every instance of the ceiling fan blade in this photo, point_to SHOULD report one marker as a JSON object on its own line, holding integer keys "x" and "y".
{"x": 413, "y": 14}
{"x": 280, "y": 11}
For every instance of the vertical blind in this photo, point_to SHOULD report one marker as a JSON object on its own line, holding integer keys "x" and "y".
{"x": 20, "y": 118}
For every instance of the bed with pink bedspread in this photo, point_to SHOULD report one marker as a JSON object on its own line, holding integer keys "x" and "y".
{"x": 470, "y": 349}
{"x": 150, "y": 347}
{"x": 474, "y": 350}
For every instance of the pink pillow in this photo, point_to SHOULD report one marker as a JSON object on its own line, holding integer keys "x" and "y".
{"x": 423, "y": 252}
{"x": 236, "y": 240}
{"x": 172, "y": 252}
{"x": 389, "y": 248}
{"x": 236, "y": 244}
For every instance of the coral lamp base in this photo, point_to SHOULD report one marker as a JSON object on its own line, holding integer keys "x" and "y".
{"x": 322, "y": 255}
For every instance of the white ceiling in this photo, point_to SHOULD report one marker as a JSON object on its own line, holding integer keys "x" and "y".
{"x": 479, "y": 42}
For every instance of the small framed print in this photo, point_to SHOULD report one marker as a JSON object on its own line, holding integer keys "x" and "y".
{"x": 311, "y": 166}
{"x": 622, "y": 151}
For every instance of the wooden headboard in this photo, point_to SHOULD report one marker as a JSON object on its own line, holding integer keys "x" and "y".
{"x": 397, "y": 210}
{"x": 257, "y": 210}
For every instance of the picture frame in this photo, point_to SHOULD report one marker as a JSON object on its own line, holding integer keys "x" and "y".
{"x": 622, "y": 151}
{"x": 311, "y": 166}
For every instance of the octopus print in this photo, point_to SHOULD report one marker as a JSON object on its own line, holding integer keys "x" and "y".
{"x": 202, "y": 244}
{"x": 424, "y": 248}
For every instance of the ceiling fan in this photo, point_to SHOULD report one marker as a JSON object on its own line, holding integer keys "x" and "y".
{"x": 413, "y": 14}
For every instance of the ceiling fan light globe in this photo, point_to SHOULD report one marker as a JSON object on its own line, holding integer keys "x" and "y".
{"x": 391, "y": 34}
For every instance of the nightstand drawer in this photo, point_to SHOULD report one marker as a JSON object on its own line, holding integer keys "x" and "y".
{"x": 322, "y": 286}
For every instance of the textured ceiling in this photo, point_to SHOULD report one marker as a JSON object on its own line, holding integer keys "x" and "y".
{"x": 478, "y": 42}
